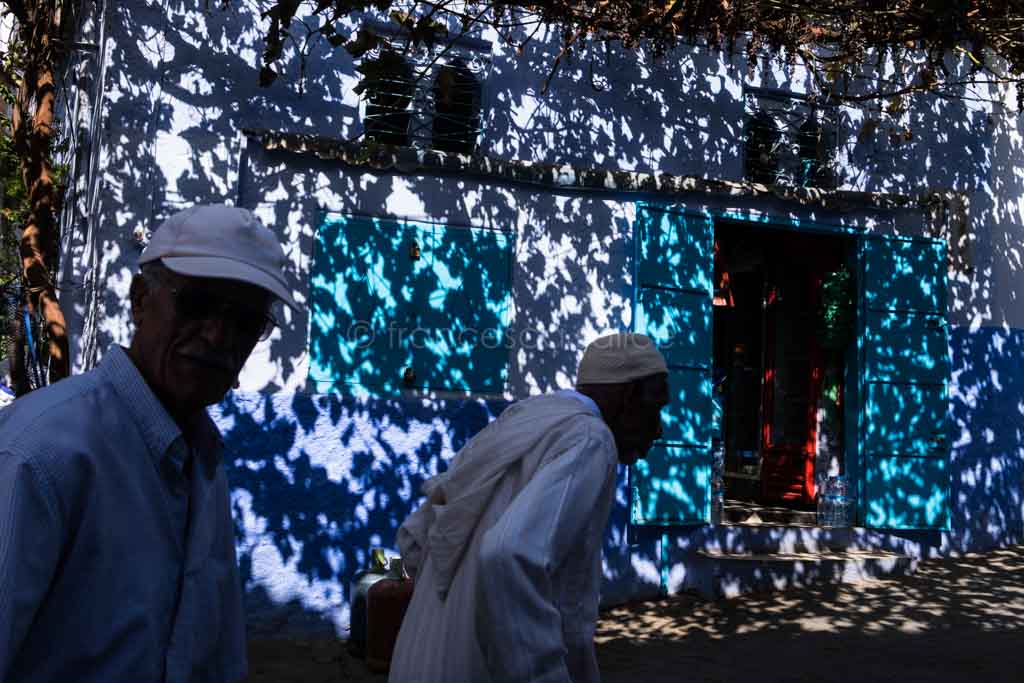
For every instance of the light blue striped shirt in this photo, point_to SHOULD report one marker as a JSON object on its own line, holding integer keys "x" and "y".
{"x": 115, "y": 564}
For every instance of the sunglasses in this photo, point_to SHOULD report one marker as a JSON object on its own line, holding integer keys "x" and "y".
{"x": 194, "y": 304}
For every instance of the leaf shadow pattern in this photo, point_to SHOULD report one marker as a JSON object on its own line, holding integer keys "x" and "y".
{"x": 317, "y": 481}
{"x": 319, "y": 478}
{"x": 954, "y": 620}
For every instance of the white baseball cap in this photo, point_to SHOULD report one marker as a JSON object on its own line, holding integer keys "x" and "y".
{"x": 224, "y": 242}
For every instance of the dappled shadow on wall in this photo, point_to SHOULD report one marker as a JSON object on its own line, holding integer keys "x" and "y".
{"x": 401, "y": 304}
{"x": 987, "y": 416}
{"x": 317, "y": 481}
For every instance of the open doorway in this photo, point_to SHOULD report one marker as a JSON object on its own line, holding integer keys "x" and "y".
{"x": 783, "y": 319}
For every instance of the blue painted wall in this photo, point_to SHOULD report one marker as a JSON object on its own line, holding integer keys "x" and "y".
{"x": 987, "y": 416}
{"x": 317, "y": 479}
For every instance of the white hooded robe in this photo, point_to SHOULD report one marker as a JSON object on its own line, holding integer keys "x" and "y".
{"x": 506, "y": 551}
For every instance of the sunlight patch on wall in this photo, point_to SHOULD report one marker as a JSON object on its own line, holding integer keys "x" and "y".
{"x": 155, "y": 50}
{"x": 646, "y": 569}
{"x": 284, "y": 584}
{"x": 404, "y": 200}
{"x": 173, "y": 157}
{"x": 524, "y": 110}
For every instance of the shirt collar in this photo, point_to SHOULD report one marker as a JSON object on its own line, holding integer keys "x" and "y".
{"x": 586, "y": 400}
{"x": 159, "y": 430}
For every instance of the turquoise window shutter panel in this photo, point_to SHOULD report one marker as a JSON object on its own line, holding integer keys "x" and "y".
{"x": 689, "y": 418}
{"x": 463, "y": 318}
{"x": 401, "y": 304}
{"x": 360, "y": 298}
{"x": 674, "y": 250}
{"x": 903, "y": 425}
{"x": 673, "y": 307}
{"x": 907, "y": 493}
{"x": 677, "y": 322}
{"x": 906, "y": 418}
{"x": 905, "y": 347}
{"x": 672, "y": 486}
{"x": 904, "y": 275}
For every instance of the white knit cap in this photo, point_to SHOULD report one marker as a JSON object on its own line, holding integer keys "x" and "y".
{"x": 620, "y": 358}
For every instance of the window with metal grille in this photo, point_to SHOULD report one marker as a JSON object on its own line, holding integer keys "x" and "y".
{"x": 456, "y": 121}
{"x": 416, "y": 98}
{"x": 789, "y": 140}
{"x": 389, "y": 93}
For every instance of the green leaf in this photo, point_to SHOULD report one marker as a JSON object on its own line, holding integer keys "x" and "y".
{"x": 428, "y": 31}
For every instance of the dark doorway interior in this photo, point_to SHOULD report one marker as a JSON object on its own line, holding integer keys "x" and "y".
{"x": 778, "y": 377}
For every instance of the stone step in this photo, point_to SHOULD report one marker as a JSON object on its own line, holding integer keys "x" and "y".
{"x": 788, "y": 539}
{"x": 779, "y": 516}
{"x": 730, "y": 574}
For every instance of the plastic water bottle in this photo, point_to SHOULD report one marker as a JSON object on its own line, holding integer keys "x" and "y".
{"x": 717, "y": 480}
{"x": 823, "y": 514}
{"x": 717, "y": 500}
{"x": 833, "y": 504}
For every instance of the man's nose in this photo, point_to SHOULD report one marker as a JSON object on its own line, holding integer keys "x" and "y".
{"x": 217, "y": 330}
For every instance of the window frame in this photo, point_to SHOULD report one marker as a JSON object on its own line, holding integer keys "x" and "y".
{"x": 855, "y": 375}
{"x": 475, "y": 56}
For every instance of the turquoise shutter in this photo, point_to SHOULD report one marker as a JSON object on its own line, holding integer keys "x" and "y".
{"x": 398, "y": 305}
{"x": 674, "y": 273}
{"x": 462, "y": 318}
{"x": 905, "y": 369}
{"x": 361, "y": 300}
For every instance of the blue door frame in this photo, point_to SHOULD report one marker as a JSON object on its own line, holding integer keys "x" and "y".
{"x": 914, "y": 469}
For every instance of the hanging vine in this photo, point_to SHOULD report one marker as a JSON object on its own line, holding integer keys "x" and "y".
{"x": 842, "y": 43}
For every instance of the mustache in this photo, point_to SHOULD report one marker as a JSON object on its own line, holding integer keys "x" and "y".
{"x": 210, "y": 360}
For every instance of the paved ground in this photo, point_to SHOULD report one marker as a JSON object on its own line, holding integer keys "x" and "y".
{"x": 954, "y": 620}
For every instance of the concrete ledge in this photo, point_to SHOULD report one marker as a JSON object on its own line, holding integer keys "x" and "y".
{"x": 411, "y": 160}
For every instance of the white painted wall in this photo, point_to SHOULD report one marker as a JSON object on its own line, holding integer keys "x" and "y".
{"x": 182, "y": 84}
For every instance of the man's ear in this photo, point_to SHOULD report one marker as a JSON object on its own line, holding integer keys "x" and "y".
{"x": 630, "y": 393}
{"x": 621, "y": 399}
{"x": 137, "y": 295}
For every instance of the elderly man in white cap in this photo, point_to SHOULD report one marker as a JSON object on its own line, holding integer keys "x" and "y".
{"x": 506, "y": 550}
{"x": 117, "y": 552}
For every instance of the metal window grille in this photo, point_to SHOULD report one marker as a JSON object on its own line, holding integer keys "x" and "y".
{"x": 425, "y": 101}
{"x": 389, "y": 94}
{"x": 456, "y": 99}
{"x": 789, "y": 140}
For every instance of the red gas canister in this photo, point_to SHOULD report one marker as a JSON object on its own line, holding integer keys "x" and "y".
{"x": 386, "y": 602}
{"x": 377, "y": 571}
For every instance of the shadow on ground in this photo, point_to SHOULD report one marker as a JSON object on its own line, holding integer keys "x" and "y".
{"x": 955, "y": 620}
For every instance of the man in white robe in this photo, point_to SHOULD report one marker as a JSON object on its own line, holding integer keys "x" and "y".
{"x": 506, "y": 550}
